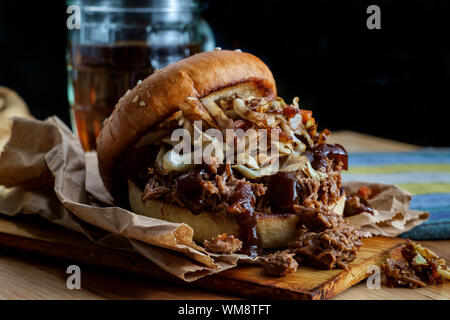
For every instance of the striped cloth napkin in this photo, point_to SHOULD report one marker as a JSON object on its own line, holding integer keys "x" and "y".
{"x": 424, "y": 173}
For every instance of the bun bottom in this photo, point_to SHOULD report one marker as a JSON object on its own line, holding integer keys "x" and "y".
{"x": 274, "y": 230}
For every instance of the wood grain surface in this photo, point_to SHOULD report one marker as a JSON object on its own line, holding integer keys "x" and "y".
{"x": 25, "y": 275}
{"x": 35, "y": 235}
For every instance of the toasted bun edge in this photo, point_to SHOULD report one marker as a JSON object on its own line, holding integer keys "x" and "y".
{"x": 274, "y": 230}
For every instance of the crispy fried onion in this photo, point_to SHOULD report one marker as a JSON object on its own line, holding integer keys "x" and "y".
{"x": 194, "y": 110}
{"x": 296, "y": 144}
{"x": 217, "y": 113}
{"x": 262, "y": 120}
{"x": 290, "y": 163}
{"x": 282, "y": 154}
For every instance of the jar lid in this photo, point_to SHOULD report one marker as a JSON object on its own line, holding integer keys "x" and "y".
{"x": 135, "y": 5}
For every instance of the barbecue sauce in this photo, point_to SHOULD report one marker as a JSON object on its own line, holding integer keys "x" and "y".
{"x": 283, "y": 190}
{"x": 243, "y": 205}
{"x": 350, "y": 209}
{"x": 319, "y": 155}
{"x": 334, "y": 152}
{"x": 190, "y": 189}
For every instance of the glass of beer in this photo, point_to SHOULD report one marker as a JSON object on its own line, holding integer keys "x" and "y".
{"x": 120, "y": 42}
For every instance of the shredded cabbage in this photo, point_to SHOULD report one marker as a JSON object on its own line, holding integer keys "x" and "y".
{"x": 172, "y": 161}
{"x": 254, "y": 174}
{"x": 257, "y": 162}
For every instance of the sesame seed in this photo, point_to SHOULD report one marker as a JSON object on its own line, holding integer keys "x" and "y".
{"x": 238, "y": 50}
{"x": 217, "y": 48}
{"x": 128, "y": 91}
{"x": 142, "y": 104}
{"x": 139, "y": 82}
{"x": 136, "y": 98}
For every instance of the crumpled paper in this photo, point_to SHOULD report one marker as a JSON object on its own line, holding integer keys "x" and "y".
{"x": 392, "y": 215}
{"x": 11, "y": 105}
{"x": 46, "y": 169}
{"x": 47, "y": 173}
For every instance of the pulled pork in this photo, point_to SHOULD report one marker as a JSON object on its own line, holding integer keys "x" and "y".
{"x": 400, "y": 274}
{"x": 418, "y": 267}
{"x": 331, "y": 247}
{"x": 223, "y": 243}
{"x": 199, "y": 190}
{"x": 280, "y": 263}
{"x": 328, "y": 241}
{"x": 427, "y": 265}
{"x": 317, "y": 217}
{"x": 156, "y": 186}
{"x": 357, "y": 203}
{"x": 221, "y": 190}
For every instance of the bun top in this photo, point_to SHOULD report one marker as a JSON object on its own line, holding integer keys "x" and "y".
{"x": 159, "y": 96}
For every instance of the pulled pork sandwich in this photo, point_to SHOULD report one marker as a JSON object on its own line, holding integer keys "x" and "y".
{"x": 262, "y": 205}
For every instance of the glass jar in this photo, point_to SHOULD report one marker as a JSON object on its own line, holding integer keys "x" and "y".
{"x": 120, "y": 42}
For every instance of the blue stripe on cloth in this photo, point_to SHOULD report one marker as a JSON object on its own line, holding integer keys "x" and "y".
{"x": 437, "y": 213}
{"x": 428, "y": 231}
{"x": 439, "y": 216}
{"x": 438, "y": 204}
{"x": 401, "y": 177}
{"x": 441, "y": 155}
{"x": 431, "y": 201}
{"x": 438, "y": 225}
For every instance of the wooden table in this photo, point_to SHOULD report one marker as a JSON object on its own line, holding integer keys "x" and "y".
{"x": 29, "y": 276}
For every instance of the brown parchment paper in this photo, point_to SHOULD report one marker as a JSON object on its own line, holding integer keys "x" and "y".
{"x": 47, "y": 173}
{"x": 392, "y": 215}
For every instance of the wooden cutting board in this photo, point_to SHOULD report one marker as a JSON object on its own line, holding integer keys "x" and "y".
{"x": 36, "y": 235}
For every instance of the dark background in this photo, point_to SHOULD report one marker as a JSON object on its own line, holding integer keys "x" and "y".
{"x": 393, "y": 82}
